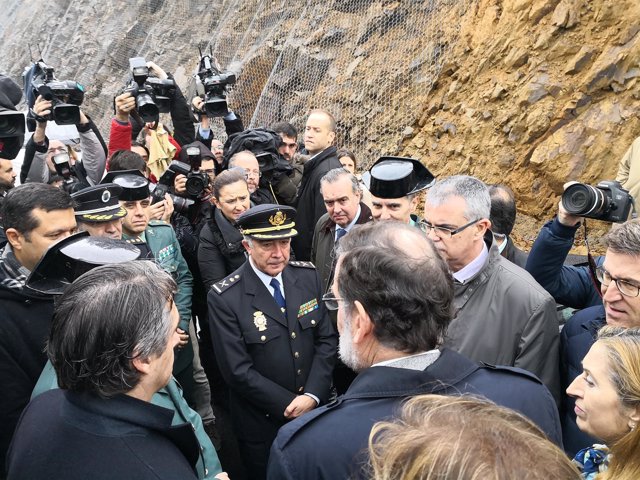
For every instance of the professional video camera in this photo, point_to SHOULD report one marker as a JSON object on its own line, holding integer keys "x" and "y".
{"x": 65, "y": 95}
{"x": 11, "y": 123}
{"x": 606, "y": 201}
{"x": 165, "y": 183}
{"x": 213, "y": 85}
{"x": 264, "y": 145}
{"x": 72, "y": 180}
{"x": 153, "y": 95}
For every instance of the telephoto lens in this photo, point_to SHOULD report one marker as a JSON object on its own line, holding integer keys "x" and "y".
{"x": 583, "y": 200}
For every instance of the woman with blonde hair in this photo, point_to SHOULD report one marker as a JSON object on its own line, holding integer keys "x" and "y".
{"x": 463, "y": 438}
{"x": 608, "y": 405}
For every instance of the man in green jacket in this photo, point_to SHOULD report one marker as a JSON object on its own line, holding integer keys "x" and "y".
{"x": 156, "y": 240}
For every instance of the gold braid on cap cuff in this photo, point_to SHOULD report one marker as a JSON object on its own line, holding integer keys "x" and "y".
{"x": 251, "y": 231}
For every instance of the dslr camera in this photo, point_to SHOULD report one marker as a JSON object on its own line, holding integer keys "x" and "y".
{"x": 72, "y": 183}
{"x": 153, "y": 95}
{"x": 213, "y": 85}
{"x": 65, "y": 95}
{"x": 607, "y": 201}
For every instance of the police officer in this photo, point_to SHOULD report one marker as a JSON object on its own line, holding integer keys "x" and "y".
{"x": 271, "y": 334}
{"x": 98, "y": 210}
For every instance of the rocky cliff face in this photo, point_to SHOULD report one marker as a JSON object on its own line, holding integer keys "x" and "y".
{"x": 535, "y": 93}
{"x": 531, "y": 93}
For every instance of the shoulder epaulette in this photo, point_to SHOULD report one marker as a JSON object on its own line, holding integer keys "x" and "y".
{"x": 226, "y": 283}
{"x": 159, "y": 223}
{"x": 302, "y": 264}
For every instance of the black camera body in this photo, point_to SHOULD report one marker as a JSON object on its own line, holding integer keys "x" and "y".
{"x": 153, "y": 95}
{"x": 214, "y": 86}
{"x": 607, "y": 201}
{"x": 65, "y": 95}
{"x": 71, "y": 180}
{"x": 165, "y": 184}
{"x": 11, "y": 124}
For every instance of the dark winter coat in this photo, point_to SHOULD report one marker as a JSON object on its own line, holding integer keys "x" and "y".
{"x": 310, "y": 204}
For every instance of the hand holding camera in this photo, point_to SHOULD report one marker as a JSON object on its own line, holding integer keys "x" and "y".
{"x": 607, "y": 201}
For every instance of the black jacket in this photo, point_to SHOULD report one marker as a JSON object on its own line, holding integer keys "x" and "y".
{"x": 576, "y": 339}
{"x": 24, "y": 328}
{"x": 310, "y": 204}
{"x": 326, "y": 443}
{"x": 220, "y": 250}
{"x": 73, "y": 436}
{"x": 265, "y": 356}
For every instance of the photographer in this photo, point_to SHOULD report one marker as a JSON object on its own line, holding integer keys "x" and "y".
{"x": 39, "y": 152}
{"x": 160, "y": 145}
{"x": 568, "y": 285}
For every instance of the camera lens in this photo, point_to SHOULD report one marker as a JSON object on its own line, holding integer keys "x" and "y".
{"x": 582, "y": 200}
{"x": 66, "y": 114}
{"x": 181, "y": 205}
{"x": 147, "y": 108}
{"x": 216, "y": 106}
{"x": 196, "y": 185}
{"x": 11, "y": 124}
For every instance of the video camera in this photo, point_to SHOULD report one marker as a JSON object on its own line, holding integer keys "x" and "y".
{"x": 153, "y": 95}
{"x": 72, "y": 183}
{"x": 607, "y": 201}
{"x": 213, "y": 85}
{"x": 11, "y": 124}
{"x": 65, "y": 95}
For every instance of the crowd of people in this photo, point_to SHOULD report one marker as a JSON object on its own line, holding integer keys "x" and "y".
{"x": 178, "y": 306}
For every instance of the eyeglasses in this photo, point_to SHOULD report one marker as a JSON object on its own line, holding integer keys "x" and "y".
{"x": 248, "y": 174}
{"x": 444, "y": 232}
{"x": 626, "y": 288}
{"x": 57, "y": 150}
{"x": 331, "y": 302}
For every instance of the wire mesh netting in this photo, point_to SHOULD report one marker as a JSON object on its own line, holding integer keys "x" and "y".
{"x": 370, "y": 63}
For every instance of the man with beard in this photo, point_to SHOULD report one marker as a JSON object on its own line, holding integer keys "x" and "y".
{"x": 394, "y": 298}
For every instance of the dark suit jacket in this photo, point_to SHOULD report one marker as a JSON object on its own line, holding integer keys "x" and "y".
{"x": 265, "y": 356}
{"x": 77, "y": 436}
{"x": 328, "y": 442}
{"x": 324, "y": 241}
{"x": 514, "y": 254}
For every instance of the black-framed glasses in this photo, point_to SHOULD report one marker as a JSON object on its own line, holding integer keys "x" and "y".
{"x": 332, "y": 302}
{"x": 625, "y": 288}
{"x": 444, "y": 232}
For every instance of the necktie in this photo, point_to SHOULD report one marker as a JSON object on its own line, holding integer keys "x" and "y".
{"x": 340, "y": 232}
{"x": 277, "y": 294}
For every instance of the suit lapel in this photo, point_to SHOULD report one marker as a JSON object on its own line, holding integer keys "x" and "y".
{"x": 262, "y": 299}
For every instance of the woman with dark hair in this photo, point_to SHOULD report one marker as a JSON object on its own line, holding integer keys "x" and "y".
{"x": 608, "y": 405}
{"x": 220, "y": 251}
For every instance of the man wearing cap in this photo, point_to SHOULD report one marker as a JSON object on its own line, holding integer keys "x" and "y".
{"x": 271, "y": 334}
{"x": 98, "y": 210}
{"x": 157, "y": 240}
{"x": 394, "y": 183}
{"x": 504, "y": 317}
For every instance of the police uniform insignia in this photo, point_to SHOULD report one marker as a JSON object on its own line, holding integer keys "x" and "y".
{"x": 165, "y": 252}
{"x": 278, "y": 219}
{"x": 106, "y": 196}
{"x": 308, "y": 307}
{"x": 260, "y": 321}
{"x": 225, "y": 283}
{"x": 302, "y": 264}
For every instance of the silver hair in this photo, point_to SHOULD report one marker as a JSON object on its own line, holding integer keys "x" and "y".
{"x": 232, "y": 160}
{"x": 332, "y": 176}
{"x": 624, "y": 238}
{"x": 474, "y": 192}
